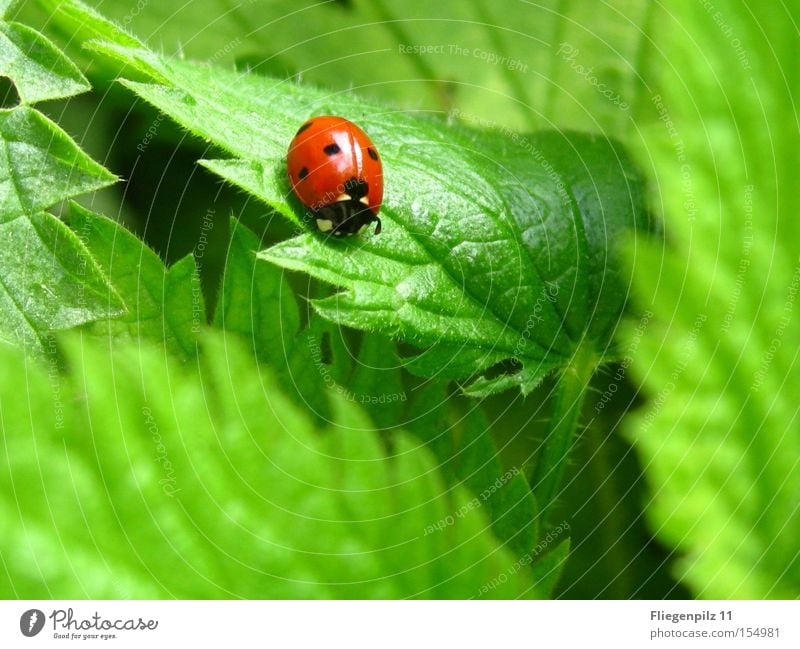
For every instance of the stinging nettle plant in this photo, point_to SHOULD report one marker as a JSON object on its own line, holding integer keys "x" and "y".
{"x": 497, "y": 262}
{"x": 49, "y": 281}
{"x": 498, "y": 259}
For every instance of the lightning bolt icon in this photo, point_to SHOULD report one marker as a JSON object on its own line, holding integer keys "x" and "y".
{"x": 32, "y": 621}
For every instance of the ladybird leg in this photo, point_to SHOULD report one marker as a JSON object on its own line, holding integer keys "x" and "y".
{"x": 377, "y": 227}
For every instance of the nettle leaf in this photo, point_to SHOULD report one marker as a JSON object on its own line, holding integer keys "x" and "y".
{"x": 548, "y": 562}
{"x": 41, "y": 165}
{"x": 255, "y": 301}
{"x": 461, "y": 440}
{"x": 719, "y": 439}
{"x": 206, "y": 481}
{"x": 376, "y": 383}
{"x": 570, "y": 64}
{"x": 256, "y": 305}
{"x": 497, "y": 248}
{"x": 38, "y": 68}
{"x": 83, "y": 22}
{"x": 460, "y": 435}
{"x": 163, "y": 304}
{"x": 76, "y": 23}
{"x": 48, "y": 280}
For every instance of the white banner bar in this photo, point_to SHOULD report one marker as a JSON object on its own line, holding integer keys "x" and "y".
{"x": 401, "y": 625}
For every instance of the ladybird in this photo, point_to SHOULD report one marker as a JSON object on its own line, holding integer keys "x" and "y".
{"x": 336, "y": 172}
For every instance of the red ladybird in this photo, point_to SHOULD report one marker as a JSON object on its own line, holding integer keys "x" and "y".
{"x": 336, "y": 172}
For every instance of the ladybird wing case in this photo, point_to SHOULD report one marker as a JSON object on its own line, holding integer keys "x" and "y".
{"x": 336, "y": 172}
{"x": 328, "y": 151}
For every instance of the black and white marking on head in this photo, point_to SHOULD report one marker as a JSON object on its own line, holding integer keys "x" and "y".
{"x": 356, "y": 188}
{"x": 332, "y": 149}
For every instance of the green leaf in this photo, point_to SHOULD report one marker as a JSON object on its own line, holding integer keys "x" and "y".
{"x": 525, "y": 278}
{"x": 6, "y": 6}
{"x": 38, "y": 68}
{"x": 461, "y": 440}
{"x": 496, "y": 248}
{"x": 48, "y": 281}
{"x": 548, "y": 564}
{"x": 40, "y": 165}
{"x": 85, "y": 23}
{"x": 257, "y": 305}
{"x": 255, "y": 301}
{"x": 73, "y": 24}
{"x": 163, "y": 304}
{"x": 718, "y": 438}
{"x": 549, "y": 63}
{"x": 205, "y": 481}
{"x": 376, "y": 383}
{"x": 265, "y": 181}
{"x": 316, "y": 367}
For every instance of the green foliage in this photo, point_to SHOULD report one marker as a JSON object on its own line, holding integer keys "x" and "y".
{"x": 448, "y": 278}
{"x": 376, "y": 381}
{"x": 719, "y": 437}
{"x": 447, "y": 273}
{"x": 521, "y": 65}
{"x": 145, "y": 455}
{"x": 164, "y": 305}
{"x": 48, "y": 281}
{"x": 256, "y": 302}
{"x": 41, "y": 165}
{"x": 208, "y": 481}
{"x": 257, "y": 306}
{"x": 39, "y": 69}
{"x": 462, "y": 443}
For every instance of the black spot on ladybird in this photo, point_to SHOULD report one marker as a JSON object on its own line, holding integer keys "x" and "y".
{"x": 332, "y": 149}
{"x": 303, "y": 173}
{"x": 303, "y": 128}
{"x": 372, "y": 153}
